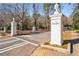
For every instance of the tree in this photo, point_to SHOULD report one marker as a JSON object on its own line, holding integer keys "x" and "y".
{"x": 35, "y": 14}
{"x": 47, "y": 9}
{"x": 76, "y": 20}
{"x": 75, "y": 17}
{"x": 18, "y": 11}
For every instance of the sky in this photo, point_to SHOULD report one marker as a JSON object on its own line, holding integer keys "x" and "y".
{"x": 40, "y": 8}
{"x": 66, "y": 8}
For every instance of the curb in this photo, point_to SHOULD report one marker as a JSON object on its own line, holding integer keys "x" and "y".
{"x": 62, "y": 50}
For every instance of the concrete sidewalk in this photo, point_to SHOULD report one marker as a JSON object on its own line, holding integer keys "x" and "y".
{"x": 46, "y": 52}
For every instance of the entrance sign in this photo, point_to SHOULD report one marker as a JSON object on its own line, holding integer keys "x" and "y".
{"x": 56, "y": 26}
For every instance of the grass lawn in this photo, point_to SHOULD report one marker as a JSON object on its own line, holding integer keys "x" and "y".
{"x": 63, "y": 45}
{"x": 66, "y": 36}
{"x": 77, "y": 30}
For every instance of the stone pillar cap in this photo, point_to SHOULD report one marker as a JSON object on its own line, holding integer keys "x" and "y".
{"x": 13, "y": 19}
{"x": 57, "y": 9}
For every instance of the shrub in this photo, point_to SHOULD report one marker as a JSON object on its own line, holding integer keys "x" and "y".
{"x": 41, "y": 26}
{"x": 77, "y": 30}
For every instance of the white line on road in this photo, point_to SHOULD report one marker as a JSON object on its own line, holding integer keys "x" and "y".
{"x": 17, "y": 45}
{"x": 8, "y": 42}
{"x": 27, "y": 41}
{"x": 26, "y": 35}
{"x": 12, "y": 47}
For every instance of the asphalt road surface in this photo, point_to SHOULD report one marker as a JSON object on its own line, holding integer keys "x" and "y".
{"x": 26, "y": 45}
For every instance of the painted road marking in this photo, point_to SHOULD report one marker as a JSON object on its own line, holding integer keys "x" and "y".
{"x": 17, "y": 45}
{"x": 26, "y": 35}
{"x": 13, "y": 47}
{"x": 27, "y": 41}
{"x": 8, "y": 42}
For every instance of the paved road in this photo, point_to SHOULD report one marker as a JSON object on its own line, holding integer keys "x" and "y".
{"x": 25, "y": 50}
{"x": 16, "y": 46}
{"x": 26, "y": 45}
{"x": 41, "y": 37}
